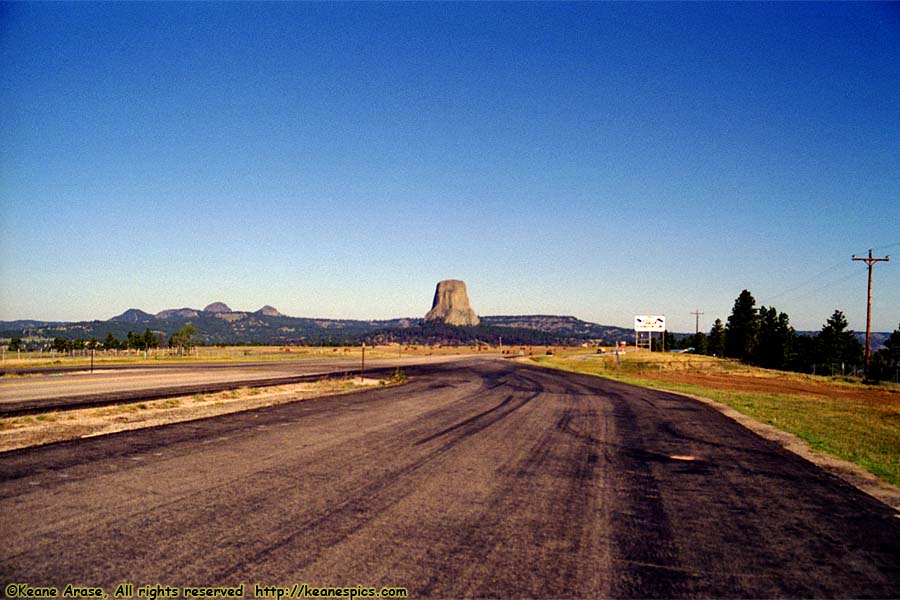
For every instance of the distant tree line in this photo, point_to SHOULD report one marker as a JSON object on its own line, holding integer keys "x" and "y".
{"x": 183, "y": 339}
{"x": 764, "y": 337}
{"x": 435, "y": 332}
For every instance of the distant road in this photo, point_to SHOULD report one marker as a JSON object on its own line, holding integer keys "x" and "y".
{"x": 475, "y": 479}
{"x": 280, "y": 364}
{"x": 78, "y": 388}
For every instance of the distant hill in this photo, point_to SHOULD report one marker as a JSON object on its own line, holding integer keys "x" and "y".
{"x": 133, "y": 315}
{"x": 434, "y": 332}
{"x": 217, "y": 307}
{"x": 26, "y": 324}
{"x": 569, "y": 327}
{"x": 269, "y": 311}
{"x": 177, "y": 313}
{"x": 219, "y": 324}
{"x": 878, "y": 337}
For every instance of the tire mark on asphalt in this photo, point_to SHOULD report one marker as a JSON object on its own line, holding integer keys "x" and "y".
{"x": 354, "y": 512}
{"x": 482, "y": 420}
{"x": 643, "y": 534}
{"x": 555, "y": 499}
{"x": 558, "y": 480}
{"x": 340, "y": 520}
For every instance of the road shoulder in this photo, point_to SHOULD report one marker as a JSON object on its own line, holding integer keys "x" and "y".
{"x": 849, "y": 472}
{"x": 57, "y": 426}
{"x": 853, "y": 474}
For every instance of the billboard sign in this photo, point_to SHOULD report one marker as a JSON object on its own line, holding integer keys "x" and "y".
{"x": 649, "y": 323}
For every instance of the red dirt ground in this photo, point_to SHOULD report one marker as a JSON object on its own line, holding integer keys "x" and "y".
{"x": 779, "y": 385}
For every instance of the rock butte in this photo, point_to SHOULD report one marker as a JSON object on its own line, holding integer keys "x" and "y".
{"x": 217, "y": 307}
{"x": 451, "y": 304}
{"x": 269, "y": 311}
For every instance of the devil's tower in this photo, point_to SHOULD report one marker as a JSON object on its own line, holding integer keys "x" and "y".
{"x": 451, "y": 304}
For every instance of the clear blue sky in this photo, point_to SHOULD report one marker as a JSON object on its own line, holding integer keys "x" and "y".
{"x": 337, "y": 160}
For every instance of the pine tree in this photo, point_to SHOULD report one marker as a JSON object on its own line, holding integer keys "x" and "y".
{"x": 150, "y": 340}
{"x": 716, "y": 341}
{"x": 837, "y": 344}
{"x": 183, "y": 338}
{"x": 700, "y": 343}
{"x": 886, "y": 361}
{"x": 805, "y": 353}
{"x": 742, "y": 328}
{"x": 111, "y": 343}
{"x": 892, "y": 348}
{"x": 775, "y": 341}
{"x": 135, "y": 341}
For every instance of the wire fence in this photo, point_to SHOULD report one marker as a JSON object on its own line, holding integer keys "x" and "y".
{"x": 877, "y": 372}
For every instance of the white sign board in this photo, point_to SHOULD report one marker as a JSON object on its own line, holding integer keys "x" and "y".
{"x": 649, "y": 323}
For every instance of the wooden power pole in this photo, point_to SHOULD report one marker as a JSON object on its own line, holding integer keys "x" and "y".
{"x": 870, "y": 261}
{"x": 697, "y": 314}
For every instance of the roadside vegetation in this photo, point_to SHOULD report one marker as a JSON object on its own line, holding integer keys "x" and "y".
{"x": 764, "y": 337}
{"x": 837, "y": 415}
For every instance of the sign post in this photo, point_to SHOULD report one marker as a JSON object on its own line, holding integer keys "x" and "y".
{"x": 648, "y": 324}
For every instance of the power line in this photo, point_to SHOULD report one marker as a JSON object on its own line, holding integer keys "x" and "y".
{"x": 826, "y": 271}
{"x": 844, "y": 276}
{"x": 888, "y": 246}
{"x": 870, "y": 262}
{"x": 827, "y": 284}
{"x": 806, "y": 282}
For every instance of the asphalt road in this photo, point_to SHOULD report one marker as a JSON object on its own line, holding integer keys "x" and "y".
{"x": 76, "y": 389}
{"x": 479, "y": 478}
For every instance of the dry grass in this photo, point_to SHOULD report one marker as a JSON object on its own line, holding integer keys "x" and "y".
{"x": 232, "y": 354}
{"x": 21, "y": 432}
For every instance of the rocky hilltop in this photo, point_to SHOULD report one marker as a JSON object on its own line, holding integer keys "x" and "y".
{"x": 217, "y": 307}
{"x": 174, "y": 313}
{"x": 451, "y": 305}
{"x": 269, "y": 311}
{"x": 134, "y": 315}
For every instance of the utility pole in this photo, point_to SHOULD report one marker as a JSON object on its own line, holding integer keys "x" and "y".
{"x": 870, "y": 261}
{"x": 697, "y": 314}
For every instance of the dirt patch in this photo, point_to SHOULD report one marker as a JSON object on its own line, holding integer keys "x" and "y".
{"x": 785, "y": 385}
{"x": 22, "y": 432}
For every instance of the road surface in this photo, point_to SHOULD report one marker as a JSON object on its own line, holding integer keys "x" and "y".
{"x": 75, "y": 389}
{"x": 477, "y": 478}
